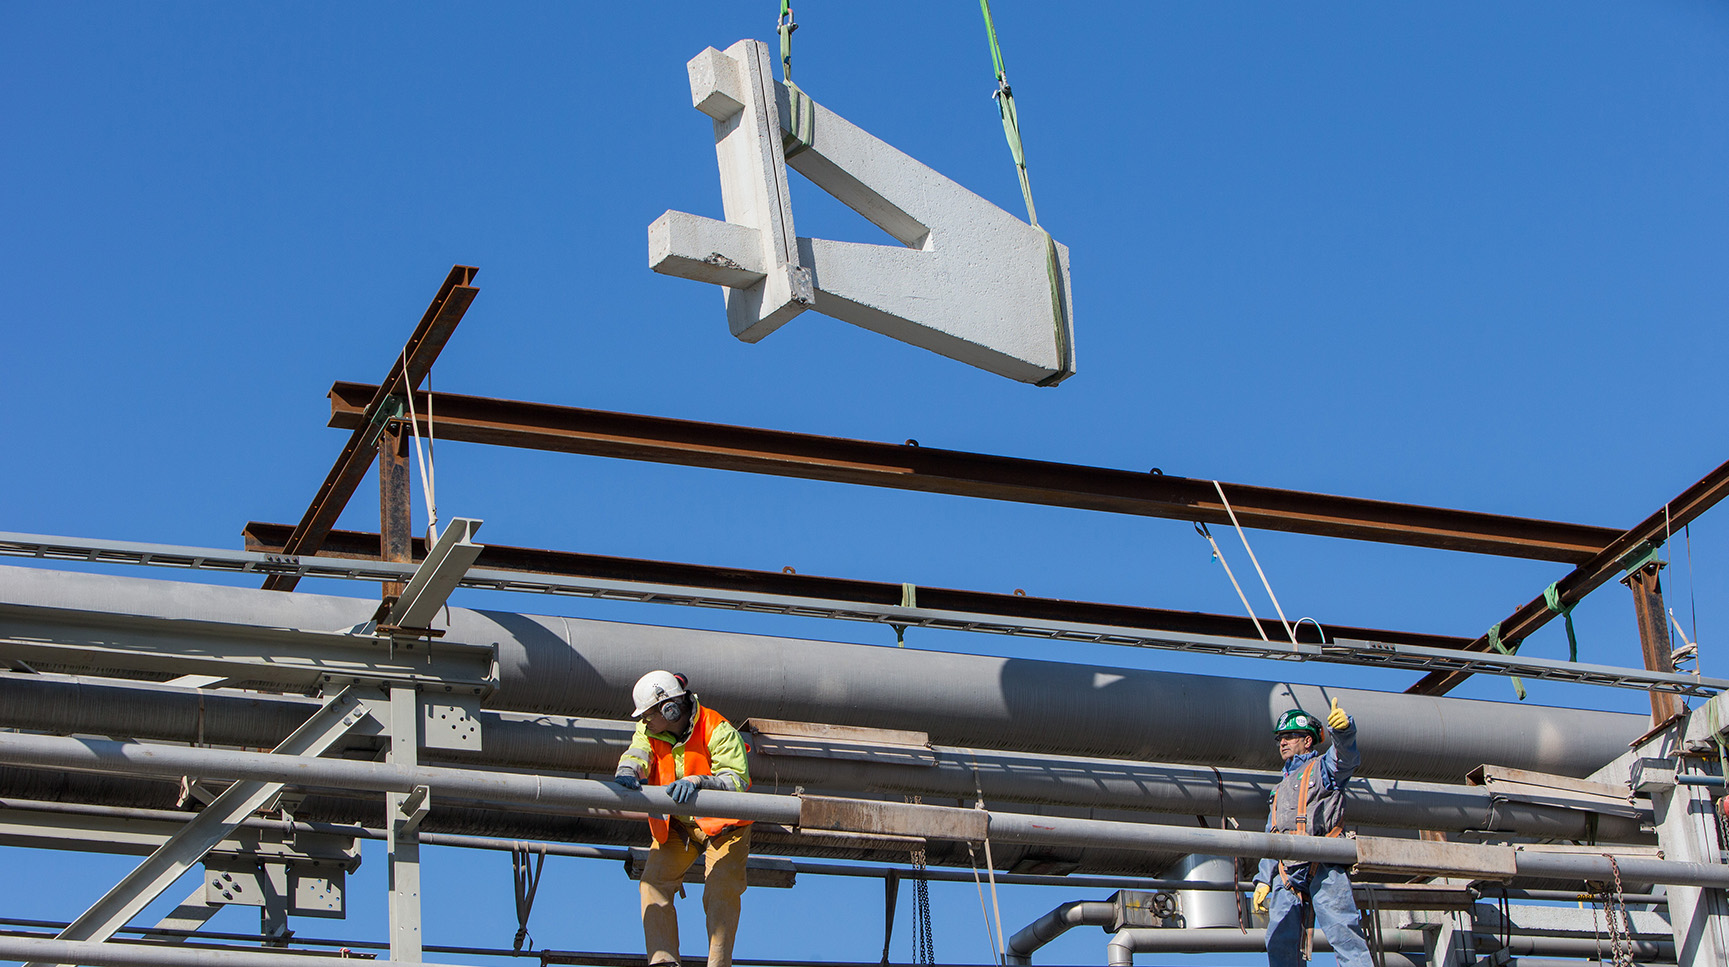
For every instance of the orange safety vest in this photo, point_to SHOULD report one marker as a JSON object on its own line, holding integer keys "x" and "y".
{"x": 1303, "y": 785}
{"x": 664, "y": 771}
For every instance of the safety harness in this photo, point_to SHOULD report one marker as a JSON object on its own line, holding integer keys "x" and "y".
{"x": 1304, "y": 783}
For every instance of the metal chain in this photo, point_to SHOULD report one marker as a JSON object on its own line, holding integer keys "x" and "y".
{"x": 1620, "y": 925}
{"x": 926, "y": 949}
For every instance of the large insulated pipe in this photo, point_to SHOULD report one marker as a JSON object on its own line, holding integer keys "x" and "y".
{"x": 1028, "y": 939}
{"x": 573, "y": 666}
{"x": 557, "y": 793}
{"x": 1208, "y": 908}
{"x": 72, "y": 705}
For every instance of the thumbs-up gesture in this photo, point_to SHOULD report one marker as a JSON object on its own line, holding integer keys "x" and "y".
{"x": 1338, "y": 719}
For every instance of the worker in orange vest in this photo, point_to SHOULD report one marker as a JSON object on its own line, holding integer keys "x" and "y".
{"x": 685, "y": 746}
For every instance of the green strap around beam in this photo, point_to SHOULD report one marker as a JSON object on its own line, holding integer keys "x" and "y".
{"x": 1552, "y": 598}
{"x": 1508, "y": 650}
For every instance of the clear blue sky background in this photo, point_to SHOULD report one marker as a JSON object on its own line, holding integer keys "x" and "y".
{"x": 1470, "y": 257}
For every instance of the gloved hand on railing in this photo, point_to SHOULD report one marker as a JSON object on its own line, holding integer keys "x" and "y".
{"x": 684, "y": 790}
{"x": 627, "y": 780}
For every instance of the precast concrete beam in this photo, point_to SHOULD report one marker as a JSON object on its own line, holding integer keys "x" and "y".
{"x": 570, "y": 666}
{"x": 968, "y": 280}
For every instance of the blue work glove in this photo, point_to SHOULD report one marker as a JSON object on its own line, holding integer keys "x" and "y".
{"x": 627, "y": 780}
{"x": 684, "y": 790}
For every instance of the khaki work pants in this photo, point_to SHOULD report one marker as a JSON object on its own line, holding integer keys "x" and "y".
{"x": 723, "y": 882}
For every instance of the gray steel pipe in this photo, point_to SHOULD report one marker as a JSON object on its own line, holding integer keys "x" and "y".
{"x": 1028, "y": 939}
{"x": 551, "y": 792}
{"x": 580, "y": 667}
{"x": 116, "y": 954}
{"x": 1124, "y": 944}
{"x": 87, "y": 706}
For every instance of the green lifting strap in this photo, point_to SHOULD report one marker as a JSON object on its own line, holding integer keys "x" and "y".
{"x": 1005, "y": 98}
{"x": 1552, "y": 598}
{"x": 803, "y": 120}
{"x": 1495, "y": 643}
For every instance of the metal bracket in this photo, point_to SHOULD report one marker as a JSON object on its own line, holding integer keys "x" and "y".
{"x": 1640, "y": 557}
{"x": 414, "y": 807}
{"x": 450, "y": 558}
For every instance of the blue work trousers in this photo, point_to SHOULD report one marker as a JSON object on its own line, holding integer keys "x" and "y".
{"x": 1335, "y": 915}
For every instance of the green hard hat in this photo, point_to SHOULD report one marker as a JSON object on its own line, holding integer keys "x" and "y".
{"x": 1297, "y": 720}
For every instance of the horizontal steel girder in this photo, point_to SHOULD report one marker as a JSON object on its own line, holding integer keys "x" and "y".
{"x": 1593, "y": 573}
{"x": 543, "y": 426}
{"x": 1146, "y": 627}
{"x": 106, "y": 756}
{"x": 454, "y": 297}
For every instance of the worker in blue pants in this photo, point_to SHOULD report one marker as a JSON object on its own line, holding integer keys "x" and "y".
{"x": 1310, "y": 800}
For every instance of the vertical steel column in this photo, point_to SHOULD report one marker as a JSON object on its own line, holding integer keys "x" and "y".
{"x": 395, "y": 502}
{"x": 1647, "y": 588}
{"x": 403, "y": 826}
{"x": 1686, "y": 831}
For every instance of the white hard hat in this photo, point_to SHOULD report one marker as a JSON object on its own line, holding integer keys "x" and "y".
{"x": 655, "y": 688}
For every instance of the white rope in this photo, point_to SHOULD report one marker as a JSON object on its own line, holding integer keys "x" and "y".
{"x": 1219, "y": 556}
{"x": 426, "y": 475}
{"x": 996, "y": 951}
{"x": 1245, "y": 539}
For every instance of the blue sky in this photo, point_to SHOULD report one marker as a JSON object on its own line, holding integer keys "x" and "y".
{"x": 1463, "y": 256}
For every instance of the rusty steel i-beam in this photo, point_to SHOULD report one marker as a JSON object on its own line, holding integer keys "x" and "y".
{"x": 454, "y": 297}
{"x": 908, "y": 466}
{"x": 268, "y": 538}
{"x": 1653, "y": 531}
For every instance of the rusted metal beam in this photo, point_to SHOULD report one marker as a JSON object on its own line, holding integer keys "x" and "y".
{"x": 268, "y": 538}
{"x": 911, "y": 467}
{"x": 395, "y": 504}
{"x": 1653, "y": 531}
{"x": 454, "y": 297}
{"x": 1647, "y": 587}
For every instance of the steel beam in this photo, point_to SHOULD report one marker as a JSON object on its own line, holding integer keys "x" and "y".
{"x": 187, "y": 847}
{"x": 395, "y": 504}
{"x": 454, "y": 297}
{"x": 267, "y": 538}
{"x": 630, "y": 436}
{"x": 1653, "y": 531}
{"x": 41, "y": 950}
{"x": 1338, "y": 648}
{"x": 1647, "y": 586}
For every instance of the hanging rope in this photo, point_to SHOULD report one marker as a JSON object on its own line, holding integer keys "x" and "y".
{"x": 1552, "y": 598}
{"x": 427, "y": 475}
{"x": 1494, "y": 636}
{"x": 527, "y": 884}
{"x": 1219, "y": 556}
{"x": 891, "y": 896}
{"x": 1253, "y": 560}
{"x": 1005, "y": 98}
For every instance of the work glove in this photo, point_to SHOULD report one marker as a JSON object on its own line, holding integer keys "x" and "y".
{"x": 1260, "y": 902}
{"x": 1338, "y": 719}
{"x": 627, "y": 780}
{"x": 684, "y": 790}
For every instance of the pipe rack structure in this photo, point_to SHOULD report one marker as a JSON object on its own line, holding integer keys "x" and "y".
{"x": 125, "y": 697}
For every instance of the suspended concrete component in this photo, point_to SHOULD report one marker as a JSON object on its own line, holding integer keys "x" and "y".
{"x": 62, "y": 621}
{"x": 71, "y": 705}
{"x": 968, "y": 280}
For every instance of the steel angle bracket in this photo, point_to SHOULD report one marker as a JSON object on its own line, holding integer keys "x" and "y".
{"x": 969, "y": 280}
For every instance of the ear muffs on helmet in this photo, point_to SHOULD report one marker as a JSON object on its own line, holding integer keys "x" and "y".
{"x": 673, "y": 710}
